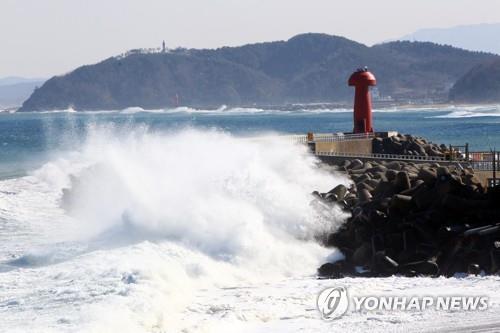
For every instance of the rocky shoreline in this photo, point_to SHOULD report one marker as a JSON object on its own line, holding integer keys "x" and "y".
{"x": 413, "y": 219}
{"x": 411, "y": 145}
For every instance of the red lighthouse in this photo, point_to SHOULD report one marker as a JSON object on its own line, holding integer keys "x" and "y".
{"x": 362, "y": 79}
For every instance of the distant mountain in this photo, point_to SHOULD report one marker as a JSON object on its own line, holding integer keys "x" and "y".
{"x": 15, "y": 90}
{"x": 11, "y": 80}
{"x": 307, "y": 68}
{"x": 480, "y": 85}
{"x": 480, "y": 37}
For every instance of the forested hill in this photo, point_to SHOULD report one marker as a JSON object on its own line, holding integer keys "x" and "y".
{"x": 480, "y": 85}
{"x": 307, "y": 68}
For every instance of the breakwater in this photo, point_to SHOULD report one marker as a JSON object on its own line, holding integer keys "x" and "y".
{"x": 408, "y": 218}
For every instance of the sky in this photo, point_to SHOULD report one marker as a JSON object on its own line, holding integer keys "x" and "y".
{"x": 42, "y": 38}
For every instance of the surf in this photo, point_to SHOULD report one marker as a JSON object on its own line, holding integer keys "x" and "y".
{"x": 154, "y": 217}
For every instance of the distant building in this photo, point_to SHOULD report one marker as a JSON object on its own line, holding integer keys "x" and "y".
{"x": 164, "y": 48}
{"x": 377, "y": 96}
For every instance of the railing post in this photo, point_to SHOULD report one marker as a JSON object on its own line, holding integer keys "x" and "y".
{"x": 494, "y": 168}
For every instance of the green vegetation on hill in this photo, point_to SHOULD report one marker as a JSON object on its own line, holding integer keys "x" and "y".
{"x": 480, "y": 85}
{"x": 307, "y": 68}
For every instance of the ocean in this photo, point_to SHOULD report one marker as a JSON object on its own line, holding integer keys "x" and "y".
{"x": 190, "y": 220}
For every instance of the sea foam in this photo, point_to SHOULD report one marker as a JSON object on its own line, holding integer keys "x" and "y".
{"x": 157, "y": 217}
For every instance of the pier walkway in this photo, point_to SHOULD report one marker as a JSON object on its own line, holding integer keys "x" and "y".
{"x": 334, "y": 148}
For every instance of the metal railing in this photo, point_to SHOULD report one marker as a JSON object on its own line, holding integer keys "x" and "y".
{"x": 481, "y": 166}
{"x": 298, "y": 138}
{"x": 327, "y": 137}
{"x": 481, "y": 161}
{"x": 476, "y": 165}
{"x": 342, "y": 137}
{"x": 388, "y": 156}
{"x": 484, "y": 161}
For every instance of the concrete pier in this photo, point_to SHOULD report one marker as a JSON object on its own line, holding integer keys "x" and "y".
{"x": 335, "y": 148}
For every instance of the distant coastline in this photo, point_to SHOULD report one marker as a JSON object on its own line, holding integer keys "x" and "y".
{"x": 305, "y": 107}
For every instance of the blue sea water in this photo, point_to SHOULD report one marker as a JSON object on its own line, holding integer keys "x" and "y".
{"x": 28, "y": 139}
